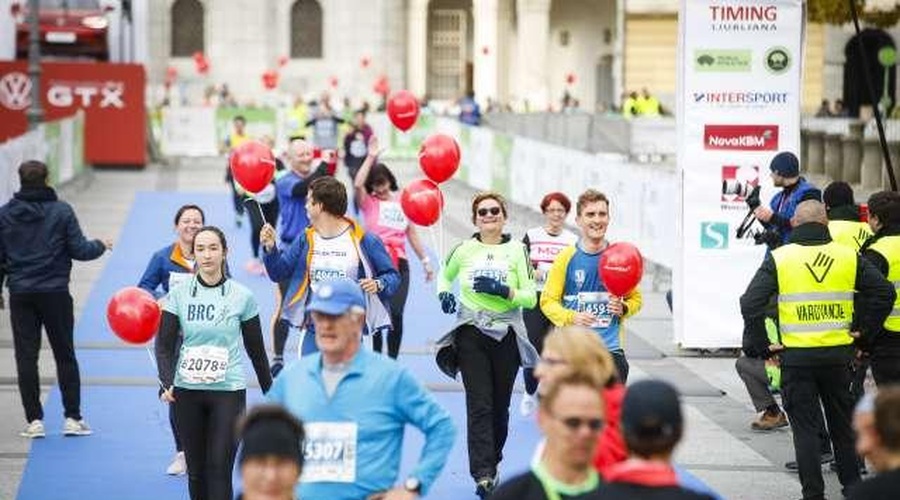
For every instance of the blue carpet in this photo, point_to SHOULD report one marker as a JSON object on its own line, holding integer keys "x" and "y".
{"x": 132, "y": 444}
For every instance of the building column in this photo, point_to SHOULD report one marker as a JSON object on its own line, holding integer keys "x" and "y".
{"x": 533, "y": 40}
{"x": 417, "y": 47}
{"x": 486, "y": 47}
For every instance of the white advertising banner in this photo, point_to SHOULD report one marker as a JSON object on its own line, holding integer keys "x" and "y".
{"x": 189, "y": 132}
{"x": 738, "y": 105}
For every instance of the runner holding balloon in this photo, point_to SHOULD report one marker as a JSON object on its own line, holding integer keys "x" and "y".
{"x": 382, "y": 214}
{"x": 169, "y": 266}
{"x": 205, "y": 379}
{"x": 594, "y": 283}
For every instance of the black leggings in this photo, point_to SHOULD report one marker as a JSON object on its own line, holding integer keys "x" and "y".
{"x": 488, "y": 371}
{"x": 206, "y": 422}
{"x": 537, "y": 325}
{"x": 270, "y": 213}
{"x": 398, "y": 303}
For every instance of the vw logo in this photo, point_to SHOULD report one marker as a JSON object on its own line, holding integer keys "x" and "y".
{"x": 15, "y": 91}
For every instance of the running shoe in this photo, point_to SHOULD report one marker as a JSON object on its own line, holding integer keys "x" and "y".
{"x": 74, "y": 427}
{"x": 34, "y": 430}
{"x": 178, "y": 466}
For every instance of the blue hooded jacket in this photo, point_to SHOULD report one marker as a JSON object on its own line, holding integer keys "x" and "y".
{"x": 39, "y": 238}
{"x": 785, "y": 202}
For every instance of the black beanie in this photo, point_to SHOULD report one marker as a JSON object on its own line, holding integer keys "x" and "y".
{"x": 785, "y": 164}
{"x": 271, "y": 437}
{"x": 838, "y": 194}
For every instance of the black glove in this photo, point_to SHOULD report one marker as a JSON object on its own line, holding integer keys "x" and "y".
{"x": 490, "y": 286}
{"x": 448, "y": 302}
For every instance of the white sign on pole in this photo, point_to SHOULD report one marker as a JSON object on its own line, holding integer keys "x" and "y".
{"x": 738, "y": 105}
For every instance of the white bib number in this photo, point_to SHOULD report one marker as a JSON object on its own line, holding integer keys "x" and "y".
{"x": 176, "y": 279}
{"x": 490, "y": 268}
{"x": 597, "y": 304}
{"x": 391, "y": 216}
{"x": 330, "y": 452}
{"x": 204, "y": 364}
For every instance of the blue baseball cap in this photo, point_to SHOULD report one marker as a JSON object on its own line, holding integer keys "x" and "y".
{"x": 335, "y": 297}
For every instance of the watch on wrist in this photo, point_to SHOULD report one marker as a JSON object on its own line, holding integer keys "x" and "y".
{"x": 413, "y": 485}
{"x": 379, "y": 284}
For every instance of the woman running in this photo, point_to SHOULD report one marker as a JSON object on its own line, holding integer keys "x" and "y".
{"x": 489, "y": 340}
{"x": 376, "y": 189}
{"x": 169, "y": 266}
{"x": 543, "y": 244}
{"x": 205, "y": 378}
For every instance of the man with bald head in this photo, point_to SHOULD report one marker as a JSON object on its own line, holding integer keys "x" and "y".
{"x": 827, "y": 296}
{"x": 291, "y": 190}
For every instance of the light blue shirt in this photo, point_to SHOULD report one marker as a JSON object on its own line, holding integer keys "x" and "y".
{"x": 211, "y": 321}
{"x": 365, "y": 417}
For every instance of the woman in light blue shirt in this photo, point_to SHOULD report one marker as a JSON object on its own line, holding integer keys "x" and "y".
{"x": 205, "y": 380}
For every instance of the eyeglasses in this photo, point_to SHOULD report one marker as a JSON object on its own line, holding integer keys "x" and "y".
{"x": 555, "y": 211}
{"x": 575, "y": 423}
{"x": 553, "y": 361}
{"x": 482, "y": 212}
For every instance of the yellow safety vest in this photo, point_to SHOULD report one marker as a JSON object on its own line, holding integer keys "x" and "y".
{"x": 850, "y": 233}
{"x": 815, "y": 294}
{"x": 889, "y": 248}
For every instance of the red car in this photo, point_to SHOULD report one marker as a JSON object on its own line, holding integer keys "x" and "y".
{"x": 68, "y": 28}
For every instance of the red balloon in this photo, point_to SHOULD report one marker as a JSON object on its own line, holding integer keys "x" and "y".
{"x": 252, "y": 165}
{"x": 364, "y": 62}
{"x": 283, "y": 60}
{"x": 382, "y": 87}
{"x": 333, "y": 81}
{"x": 133, "y": 315}
{"x": 422, "y": 202}
{"x": 403, "y": 109}
{"x": 439, "y": 157}
{"x": 270, "y": 79}
{"x": 621, "y": 268}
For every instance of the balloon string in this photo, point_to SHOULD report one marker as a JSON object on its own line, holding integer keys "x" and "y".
{"x": 155, "y": 367}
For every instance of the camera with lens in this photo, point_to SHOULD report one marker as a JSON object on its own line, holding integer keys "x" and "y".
{"x": 769, "y": 237}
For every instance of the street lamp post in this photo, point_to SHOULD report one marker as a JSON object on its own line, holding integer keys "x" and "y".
{"x": 35, "y": 112}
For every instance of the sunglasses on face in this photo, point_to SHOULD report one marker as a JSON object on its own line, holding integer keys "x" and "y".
{"x": 575, "y": 423}
{"x": 482, "y": 212}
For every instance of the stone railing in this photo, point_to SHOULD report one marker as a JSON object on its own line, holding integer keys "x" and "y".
{"x": 642, "y": 139}
{"x": 846, "y": 149}
{"x": 838, "y": 148}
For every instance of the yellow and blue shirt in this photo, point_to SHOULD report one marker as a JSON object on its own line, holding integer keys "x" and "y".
{"x": 574, "y": 285}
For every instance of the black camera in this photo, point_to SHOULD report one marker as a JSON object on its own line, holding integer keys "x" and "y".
{"x": 769, "y": 237}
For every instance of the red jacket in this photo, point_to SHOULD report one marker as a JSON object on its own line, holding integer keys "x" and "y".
{"x": 610, "y": 444}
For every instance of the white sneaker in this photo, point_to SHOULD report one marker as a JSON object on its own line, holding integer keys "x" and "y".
{"x": 74, "y": 427}
{"x": 528, "y": 404}
{"x": 34, "y": 430}
{"x": 178, "y": 466}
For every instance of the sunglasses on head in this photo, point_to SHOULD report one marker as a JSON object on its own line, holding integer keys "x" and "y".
{"x": 484, "y": 211}
{"x": 575, "y": 423}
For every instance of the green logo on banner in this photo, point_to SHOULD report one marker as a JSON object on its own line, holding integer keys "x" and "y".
{"x": 714, "y": 235}
{"x": 723, "y": 61}
{"x": 777, "y": 60}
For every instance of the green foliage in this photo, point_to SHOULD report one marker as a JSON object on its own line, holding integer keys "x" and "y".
{"x": 838, "y": 12}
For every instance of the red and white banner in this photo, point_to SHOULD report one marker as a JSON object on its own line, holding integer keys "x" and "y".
{"x": 111, "y": 95}
{"x": 739, "y": 88}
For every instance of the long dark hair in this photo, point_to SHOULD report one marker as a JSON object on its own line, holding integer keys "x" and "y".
{"x": 218, "y": 232}
{"x": 380, "y": 173}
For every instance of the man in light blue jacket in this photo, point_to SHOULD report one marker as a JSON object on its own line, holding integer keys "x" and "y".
{"x": 355, "y": 405}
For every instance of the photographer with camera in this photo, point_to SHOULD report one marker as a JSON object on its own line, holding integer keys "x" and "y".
{"x": 776, "y": 218}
